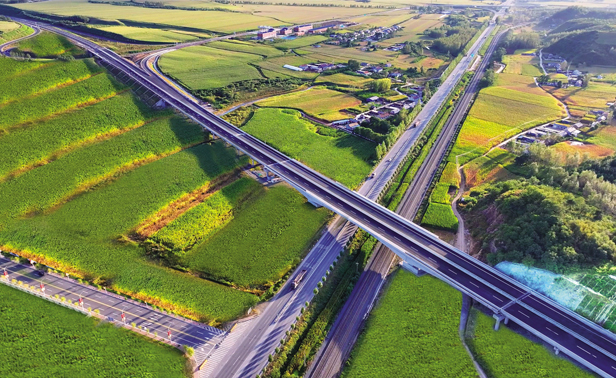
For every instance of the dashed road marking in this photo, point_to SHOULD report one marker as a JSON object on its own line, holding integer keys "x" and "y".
{"x": 523, "y": 314}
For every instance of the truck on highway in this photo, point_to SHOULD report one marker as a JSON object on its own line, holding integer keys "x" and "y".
{"x": 413, "y": 125}
{"x": 298, "y": 279}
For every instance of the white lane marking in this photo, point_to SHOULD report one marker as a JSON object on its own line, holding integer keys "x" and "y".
{"x": 586, "y": 351}
{"x": 523, "y": 314}
{"x": 497, "y": 298}
{"x": 614, "y": 368}
{"x": 556, "y": 333}
{"x": 474, "y": 284}
{"x": 397, "y": 238}
{"x": 432, "y": 259}
{"x": 452, "y": 271}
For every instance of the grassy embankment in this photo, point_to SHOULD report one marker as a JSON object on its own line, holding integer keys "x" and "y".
{"x": 11, "y": 31}
{"x": 43, "y": 339}
{"x": 49, "y": 45}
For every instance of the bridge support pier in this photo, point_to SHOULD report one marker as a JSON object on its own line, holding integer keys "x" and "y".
{"x": 499, "y": 318}
{"x": 556, "y": 351}
{"x": 413, "y": 268}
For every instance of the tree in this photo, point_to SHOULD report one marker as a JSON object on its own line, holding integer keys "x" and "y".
{"x": 487, "y": 79}
{"x": 189, "y": 351}
{"x": 380, "y": 85}
{"x": 353, "y": 65}
{"x": 498, "y": 54}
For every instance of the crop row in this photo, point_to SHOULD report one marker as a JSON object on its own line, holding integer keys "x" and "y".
{"x": 28, "y": 78}
{"x": 205, "y": 219}
{"x": 250, "y": 251}
{"x": 58, "y": 100}
{"x": 82, "y": 234}
{"x": 32, "y": 145}
{"x": 46, "y": 186}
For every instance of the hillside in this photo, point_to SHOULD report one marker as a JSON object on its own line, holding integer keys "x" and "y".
{"x": 590, "y": 48}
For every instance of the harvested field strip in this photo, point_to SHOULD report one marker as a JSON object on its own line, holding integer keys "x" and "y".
{"x": 42, "y": 339}
{"x": 346, "y": 159}
{"x": 84, "y": 235}
{"x": 207, "y": 217}
{"x": 44, "y": 141}
{"x": 28, "y": 79}
{"x": 90, "y": 91}
{"x": 344, "y": 80}
{"x": 184, "y": 204}
{"x": 301, "y": 42}
{"x": 537, "y": 98}
{"x": 412, "y": 333}
{"x": 52, "y": 184}
{"x": 249, "y": 252}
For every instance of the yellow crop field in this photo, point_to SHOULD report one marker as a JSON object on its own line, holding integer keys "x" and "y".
{"x": 385, "y": 19}
{"x": 344, "y": 80}
{"x": 522, "y": 65}
{"x": 411, "y": 28}
{"x": 513, "y": 112}
{"x": 593, "y": 151}
{"x": 318, "y": 102}
{"x": 7, "y": 26}
{"x": 596, "y": 95}
{"x": 217, "y": 21}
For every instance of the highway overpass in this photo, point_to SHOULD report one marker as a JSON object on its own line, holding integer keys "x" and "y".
{"x": 582, "y": 340}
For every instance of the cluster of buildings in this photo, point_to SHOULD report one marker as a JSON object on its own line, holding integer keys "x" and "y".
{"x": 371, "y": 35}
{"x": 554, "y": 62}
{"x": 298, "y": 30}
{"x": 315, "y": 67}
{"x": 385, "y": 110}
{"x": 538, "y": 134}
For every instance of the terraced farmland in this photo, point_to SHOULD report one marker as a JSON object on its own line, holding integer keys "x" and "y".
{"x": 347, "y": 159}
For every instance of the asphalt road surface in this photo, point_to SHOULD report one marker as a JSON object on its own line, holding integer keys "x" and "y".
{"x": 343, "y": 334}
{"x": 183, "y": 331}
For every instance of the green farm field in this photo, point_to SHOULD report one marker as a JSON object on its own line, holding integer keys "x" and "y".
{"x": 412, "y": 29}
{"x": 344, "y": 80}
{"x": 413, "y": 333}
{"x": 8, "y": 26}
{"x": 150, "y": 34}
{"x": 30, "y": 78}
{"x": 266, "y": 51}
{"x": 203, "y": 67}
{"x": 318, "y": 102}
{"x": 441, "y": 216}
{"x": 250, "y": 253}
{"x": 346, "y": 159}
{"x": 40, "y": 338}
{"x": 522, "y": 65}
{"x": 48, "y": 45}
{"x": 300, "y": 42}
{"x": 595, "y": 96}
{"x": 507, "y": 354}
